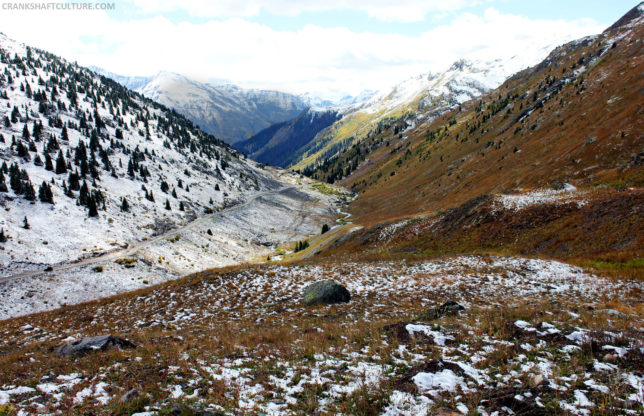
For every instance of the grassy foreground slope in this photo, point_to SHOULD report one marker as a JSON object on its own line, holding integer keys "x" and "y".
{"x": 535, "y": 337}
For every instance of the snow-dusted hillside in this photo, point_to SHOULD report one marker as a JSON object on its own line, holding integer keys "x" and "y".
{"x": 464, "y": 80}
{"x": 417, "y": 99}
{"x": 89, "y": 167}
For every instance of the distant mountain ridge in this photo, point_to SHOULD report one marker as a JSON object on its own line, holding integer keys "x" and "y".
{"x": 228, "y": 112}
{"x": 225, "y": 110}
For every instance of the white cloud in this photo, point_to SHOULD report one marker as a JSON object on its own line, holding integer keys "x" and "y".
{"x": 314, "y": 59}
{"x": 386, "y": 10}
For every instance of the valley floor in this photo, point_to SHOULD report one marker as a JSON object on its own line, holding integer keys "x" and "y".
{"x": 536, "y": 337}
{"x": 242, "y": 233}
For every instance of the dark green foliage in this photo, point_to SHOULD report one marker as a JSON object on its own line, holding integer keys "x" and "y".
{"x": 83, "y": 196}
{"x": 281, "y": 143}
{"x": 25, "y": 224}
{"x": 3, "y": 184}
{"x": 301, "y": 245}
{"x": 167, "y": 205}
{"x": 45, "y": 194}
{"x": 325, "y": 228}
{"x": 30, "y": 193}
{"x": 64, "y": 135}
{"x": 92, "y": 208}
{"x": 61, "y": 165}
{"x": 25, "y": 132}
{"x": 3, "y": 237}
{"x": 125, "y": 206}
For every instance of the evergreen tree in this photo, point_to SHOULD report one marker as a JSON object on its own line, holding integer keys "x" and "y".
{"x": 80, "y": 153}
{"x": 49, "y": 164}
{"x": 3, "y": 237}
{"x": 167, "y": 205}
{"x": 217, "y": 187}
{"x": 15, "y": 114}
{"x": 22, "y": 151}
{"x": 84, "y": 196}
{"x": 45, "y": 194}
{"x": 15, "y": 181}
{"x": 25, "y": 224}
{"x": 30, "y": 193}
{"x": 84, "y": 168}
{"x": 25, "y": 132}
{"x": 64, "y": 135}
{"x": 174, "y": 193}
{"x": 164, "y": 187}
{"x": 3, "y": 185}
{"x": 130, "y": 168}
{"x": 74, "y": 181}
{"x": 181, "y": 207}
{"x": 52, "y": 144}
{"x": 61, "y": 165}
{"x": 91, "y": 205}
{"x": 125, "y": 206}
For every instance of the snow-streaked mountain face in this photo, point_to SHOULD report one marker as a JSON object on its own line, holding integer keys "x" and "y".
{"x": 229, "y": 112}
{"x": 88, "y": 167}
{"x": 419, "y": 98}
{"x": 464, "y": 80}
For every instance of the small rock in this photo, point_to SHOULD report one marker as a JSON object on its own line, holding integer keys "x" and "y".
{"x": 448, "y": 308}
{"x": 130, "y": 395}
{"x": 86, "y": 345}
{"x": 180, "y": 409}
{"x": 537, "y": 380}
{"x": 611, "y": 312}
{"x": 444, "y": 411}
{"x": 326, "y": 291}
{"x": 610, "y": 358}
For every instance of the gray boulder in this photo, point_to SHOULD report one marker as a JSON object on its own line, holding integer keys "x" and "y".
{"x": 86, "y": 345}
{"x": 448, "y": 308}
{"x": 326, "y": 291}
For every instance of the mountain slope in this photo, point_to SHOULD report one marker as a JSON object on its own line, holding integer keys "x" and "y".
{"x": 491, "y": 173}
{"x": 277, "y": 144}
{"x": 109, "y": 191}
{"x": 226, "y": 111}
{"x": 415, "y": 100}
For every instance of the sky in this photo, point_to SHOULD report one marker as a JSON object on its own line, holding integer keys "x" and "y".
{"x": 328, "y": 48}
